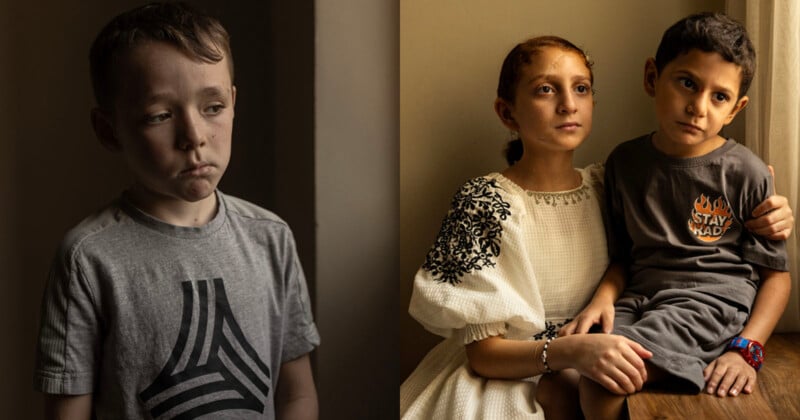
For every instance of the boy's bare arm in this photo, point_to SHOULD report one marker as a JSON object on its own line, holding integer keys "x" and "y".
{"x": 296, "y": 396}
{"x": 730, "y": 374}
{"x": 68, "y": 407}
{"x": 601, "y": 308}
{"x": 771, "y": 300}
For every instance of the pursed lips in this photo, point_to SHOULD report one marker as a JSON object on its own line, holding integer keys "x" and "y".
{"x": 568, "y": 125}
{"x": 197, "y": 169}
{"x": 689, "y": 126}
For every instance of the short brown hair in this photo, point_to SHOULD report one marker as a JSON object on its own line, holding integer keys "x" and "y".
{"x": 198, "y": 35}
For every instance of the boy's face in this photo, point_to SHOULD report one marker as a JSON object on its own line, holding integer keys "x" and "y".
{"x": 172, "y": 119}
{"x": 695, "y": 96}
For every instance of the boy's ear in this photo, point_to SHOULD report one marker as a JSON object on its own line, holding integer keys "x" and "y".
{"x": 650, "y": 76}
{"x": 740, "y": 104}
{"x": 503, "y": 110}
{"x": 104, "y": 130}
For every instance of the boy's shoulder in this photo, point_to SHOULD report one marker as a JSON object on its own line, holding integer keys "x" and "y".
{"x": 245, "y": 209}
{"x": 635, "y": 145}
{"x": 742, "y": 155}
{"x": 93, "y": 225}
{"x": 255, "y": 221}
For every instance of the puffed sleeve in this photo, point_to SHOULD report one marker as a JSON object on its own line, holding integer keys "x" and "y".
{"x": 477, "y": 279}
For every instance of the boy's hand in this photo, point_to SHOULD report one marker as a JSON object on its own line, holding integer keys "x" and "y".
{"x": 729, "y": 374}
{"x": 773, "y": 218}
{"x": 590, "y": 315}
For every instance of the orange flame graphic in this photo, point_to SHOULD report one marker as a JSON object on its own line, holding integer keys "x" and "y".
{"x": 718, "y": 218}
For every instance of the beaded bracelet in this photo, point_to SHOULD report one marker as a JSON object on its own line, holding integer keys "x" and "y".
{"x": 544, "y": 356}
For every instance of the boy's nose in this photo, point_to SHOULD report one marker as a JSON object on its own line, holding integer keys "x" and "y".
{"x": 189, "y": 135}
{"x": 696, "y": 107}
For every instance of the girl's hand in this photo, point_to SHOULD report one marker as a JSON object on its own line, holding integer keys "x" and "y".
{"x": 590, "y": 315}
{"x": 612, "y": 361}
{"x": 773, "y": 218}
{"x": 729, "y": 374}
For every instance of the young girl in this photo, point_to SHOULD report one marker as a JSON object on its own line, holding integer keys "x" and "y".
{"x": 518, "y": 255}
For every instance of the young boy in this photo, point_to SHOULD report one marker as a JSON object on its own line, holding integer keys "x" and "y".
{"x": 176, "y": 301}
{"x": 696, "y": 283}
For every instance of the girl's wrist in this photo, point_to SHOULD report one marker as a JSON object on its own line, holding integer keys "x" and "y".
{"x": 557, "y": 353}
{"x": 544, "y": 356}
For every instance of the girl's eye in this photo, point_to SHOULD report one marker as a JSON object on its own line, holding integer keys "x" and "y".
{"x": 158, "y": 118}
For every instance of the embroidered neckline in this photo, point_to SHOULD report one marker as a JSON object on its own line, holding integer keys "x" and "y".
{"x": 565, "y": 198}
{"x": 555, "y": 198}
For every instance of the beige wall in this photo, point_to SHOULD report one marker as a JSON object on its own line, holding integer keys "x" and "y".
{"x": 357, "y": 207}
{"x": 450, "y": 56}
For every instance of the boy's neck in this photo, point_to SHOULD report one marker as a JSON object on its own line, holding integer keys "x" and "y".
{"x": 174, "y": 210}
{"x": 684, "y": 151}
{"x": 550, "y": 173}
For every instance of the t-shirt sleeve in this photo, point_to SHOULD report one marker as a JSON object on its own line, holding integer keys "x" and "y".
{"x": 69, "y": 334}
{"x": 300, "y": 332}
{"x": 757, "y": 249}
{"x": 477, "y": 280}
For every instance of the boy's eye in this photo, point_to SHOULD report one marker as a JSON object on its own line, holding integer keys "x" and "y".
{"x": 720, "y": 97}
{"x": 687, "y": 83}
{"x": 157, "y": 118}
{"x": 545, "y": 89}
{"x": 215, "y": 109}
{"x": 583, "y": 89}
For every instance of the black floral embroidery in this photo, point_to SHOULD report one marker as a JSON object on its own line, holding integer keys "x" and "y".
{"x": 470, "y": 236}
{"x": 550, "y": 330}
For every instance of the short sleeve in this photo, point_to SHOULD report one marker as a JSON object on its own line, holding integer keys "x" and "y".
{"x": 757, "y": 249}
{"x": 300, "y": 332}
{"x": 69, "y": 334}
{"x": 477, "y": 280}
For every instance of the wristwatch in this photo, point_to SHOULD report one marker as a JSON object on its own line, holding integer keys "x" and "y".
{"x": 751, "y": 350}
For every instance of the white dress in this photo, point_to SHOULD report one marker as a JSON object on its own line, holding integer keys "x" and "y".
{"x": 506, "y": 262}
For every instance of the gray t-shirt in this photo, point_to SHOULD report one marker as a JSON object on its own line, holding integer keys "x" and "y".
{"x": 162, "y": 321}
{"x": 679, "y": 223}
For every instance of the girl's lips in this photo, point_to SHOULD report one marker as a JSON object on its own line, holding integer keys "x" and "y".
{"x": 568, "y": 126}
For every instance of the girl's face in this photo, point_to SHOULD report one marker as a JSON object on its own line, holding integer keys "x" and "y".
{"x": 552, "y": 109}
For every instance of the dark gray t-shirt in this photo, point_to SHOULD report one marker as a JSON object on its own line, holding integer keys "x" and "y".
{"x": 161, "y": 321}
{"x": 679, "y": 223}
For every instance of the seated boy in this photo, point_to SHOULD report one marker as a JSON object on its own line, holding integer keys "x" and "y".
{"x": 175, "y": 301}
{"x": 696, "y": 283}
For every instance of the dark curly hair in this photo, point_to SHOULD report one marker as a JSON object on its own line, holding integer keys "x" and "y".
{"x": 710, "y": 32}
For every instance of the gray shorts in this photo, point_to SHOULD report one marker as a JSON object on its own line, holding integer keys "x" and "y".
{"x": 684, "y": 329}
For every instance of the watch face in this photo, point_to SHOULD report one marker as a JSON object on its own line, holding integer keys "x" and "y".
{"x": 756, "y": 352}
